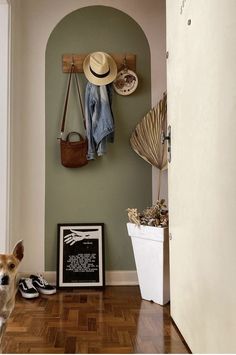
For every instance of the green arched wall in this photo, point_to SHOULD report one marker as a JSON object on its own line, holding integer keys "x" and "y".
{"x": 105, "y": 188}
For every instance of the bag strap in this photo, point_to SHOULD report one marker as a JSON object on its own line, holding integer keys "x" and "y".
{"x": 72, "y": 71}
{"x": 66, "y": 102}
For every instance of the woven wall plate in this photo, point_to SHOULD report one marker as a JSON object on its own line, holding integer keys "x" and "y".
{"x": 126, "y": 82}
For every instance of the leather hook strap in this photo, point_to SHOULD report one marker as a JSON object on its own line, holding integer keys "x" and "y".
{"x": 80, "y": 99}
{"x": 72, "y": 71}
{"x": 66, "y": 100}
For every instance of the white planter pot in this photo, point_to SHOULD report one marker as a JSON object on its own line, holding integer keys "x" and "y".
{"x": 151, "y": 252}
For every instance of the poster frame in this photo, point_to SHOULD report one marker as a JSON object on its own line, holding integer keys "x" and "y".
{"x": 61, "y": 246}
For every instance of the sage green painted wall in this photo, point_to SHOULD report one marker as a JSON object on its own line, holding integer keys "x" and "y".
{"x": 105, "y": 188}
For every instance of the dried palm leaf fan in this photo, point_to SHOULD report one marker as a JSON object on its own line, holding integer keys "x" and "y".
{"x": 146, "y": 138}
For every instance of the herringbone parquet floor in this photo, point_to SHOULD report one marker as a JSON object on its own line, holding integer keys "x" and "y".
{"x": 114, "y": 320}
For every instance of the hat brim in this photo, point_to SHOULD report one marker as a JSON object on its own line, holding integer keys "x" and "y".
{"x": 100, "y": 81}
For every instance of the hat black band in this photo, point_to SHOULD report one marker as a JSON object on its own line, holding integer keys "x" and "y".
{"x": 99, "y": 75}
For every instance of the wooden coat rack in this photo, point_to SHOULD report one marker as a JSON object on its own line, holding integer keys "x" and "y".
{"x": 77, "y": 59}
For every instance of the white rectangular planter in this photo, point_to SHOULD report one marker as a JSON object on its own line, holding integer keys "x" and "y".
{"x": 151, "y": 252}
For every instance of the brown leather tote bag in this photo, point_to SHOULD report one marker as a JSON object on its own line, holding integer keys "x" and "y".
{"x": 73, "y": 153}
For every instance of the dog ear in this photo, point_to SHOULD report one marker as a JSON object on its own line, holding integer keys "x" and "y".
{"x": 18, "y": 250}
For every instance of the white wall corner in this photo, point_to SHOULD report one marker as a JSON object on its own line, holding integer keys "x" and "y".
{"x": 156, "y": 182}
{"x": 4, "y": 124}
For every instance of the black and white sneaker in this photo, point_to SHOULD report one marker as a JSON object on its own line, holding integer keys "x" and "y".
{"x": 42, "y": 285}
{"x": 27, "y": 288}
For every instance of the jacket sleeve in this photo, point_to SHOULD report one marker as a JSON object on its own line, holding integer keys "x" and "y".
{"x": 88, "y": 112}
{"x": 105, "y": 127}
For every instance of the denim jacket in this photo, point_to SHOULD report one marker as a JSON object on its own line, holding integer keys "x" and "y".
{"x": 99, "y": 118}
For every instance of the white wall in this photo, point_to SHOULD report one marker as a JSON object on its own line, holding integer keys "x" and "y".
{"x": 32, "y": 23}
{"x": 4, "y": 123}
{"x": 201, "y": 74}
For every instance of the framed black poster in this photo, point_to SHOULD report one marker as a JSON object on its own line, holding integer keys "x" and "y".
{"x": 80, "y": 255}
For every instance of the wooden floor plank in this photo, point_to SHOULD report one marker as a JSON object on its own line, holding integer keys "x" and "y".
{"x": 113, "y": 320}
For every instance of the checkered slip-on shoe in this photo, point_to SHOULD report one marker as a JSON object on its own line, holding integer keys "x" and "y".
{"x": 27, "y": 288}
{"x": 42, "y": 285}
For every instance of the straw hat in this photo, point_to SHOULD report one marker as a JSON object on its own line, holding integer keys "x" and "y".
{"x": 100, "y": 68}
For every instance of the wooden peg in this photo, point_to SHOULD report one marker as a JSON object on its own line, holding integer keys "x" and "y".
{"x": 77, "y": 59}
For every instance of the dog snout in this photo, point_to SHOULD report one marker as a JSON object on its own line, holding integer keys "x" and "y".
{"x": 4, "y": 280}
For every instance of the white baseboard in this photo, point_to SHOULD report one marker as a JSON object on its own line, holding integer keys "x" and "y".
{"x": 113, "y": 278}
{"x": 121, "y": 278}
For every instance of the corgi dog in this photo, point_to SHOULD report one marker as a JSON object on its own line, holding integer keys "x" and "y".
{"x": 9, "y": 264}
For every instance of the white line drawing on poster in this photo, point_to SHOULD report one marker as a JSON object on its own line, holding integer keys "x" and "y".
{"x": 77, "y": 236}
